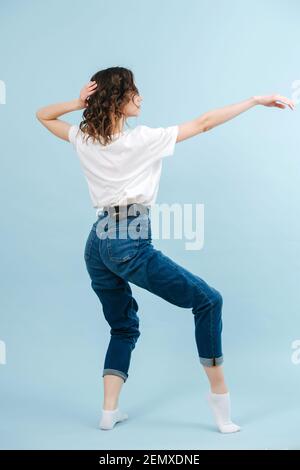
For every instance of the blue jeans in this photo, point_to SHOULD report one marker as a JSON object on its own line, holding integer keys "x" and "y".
{"x": 114, "y": 259}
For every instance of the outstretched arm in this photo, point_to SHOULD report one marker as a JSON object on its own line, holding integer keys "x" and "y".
{"x": 48, "y": 115}
{"x": 213, "y": 118}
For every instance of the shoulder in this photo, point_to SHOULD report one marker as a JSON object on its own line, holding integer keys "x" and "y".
{"x": 160, "y": 141}
{"x": 156, "y": 132}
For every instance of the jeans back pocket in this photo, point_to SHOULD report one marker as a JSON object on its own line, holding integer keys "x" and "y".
{"x": 122, "y": 243}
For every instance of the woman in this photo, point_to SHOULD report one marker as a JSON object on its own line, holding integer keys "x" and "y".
{"x": 122, "y": 168}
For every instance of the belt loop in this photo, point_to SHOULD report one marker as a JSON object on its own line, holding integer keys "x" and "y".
{"x": 120, "y": 211}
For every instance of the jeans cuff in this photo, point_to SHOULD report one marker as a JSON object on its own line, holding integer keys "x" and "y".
{"x": 211, "y": 361}
{"x": 115, "y": 372}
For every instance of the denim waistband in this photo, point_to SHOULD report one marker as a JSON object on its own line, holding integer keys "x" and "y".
{"x": 122, "y": 211}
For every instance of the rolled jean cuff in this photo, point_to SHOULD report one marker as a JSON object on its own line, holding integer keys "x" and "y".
{"x": 115, "y": 372}
{"x": 211, "y": 361}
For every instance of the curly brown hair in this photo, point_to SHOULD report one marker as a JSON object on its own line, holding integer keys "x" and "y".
{"x": 115, "y": 88}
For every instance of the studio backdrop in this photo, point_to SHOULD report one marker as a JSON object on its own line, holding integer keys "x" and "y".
{"x": 242, "y": 177}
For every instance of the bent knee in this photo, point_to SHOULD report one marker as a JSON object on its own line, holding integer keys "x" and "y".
{"x": 216, "y": 298}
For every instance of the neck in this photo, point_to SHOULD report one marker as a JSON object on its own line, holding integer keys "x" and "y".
{"x": 118, "y": 126}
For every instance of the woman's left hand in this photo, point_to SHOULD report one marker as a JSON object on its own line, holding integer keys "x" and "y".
{"x": 86, "y": 92}
{"x": 275, "y": 100}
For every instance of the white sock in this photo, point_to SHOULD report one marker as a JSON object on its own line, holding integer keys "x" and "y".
{"x": 220, "y": 405}
{"x": 110, "y": 417}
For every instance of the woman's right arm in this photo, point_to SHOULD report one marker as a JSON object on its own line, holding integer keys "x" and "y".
{"x": 48, "y": 115}
{"x": 218, "y": 116}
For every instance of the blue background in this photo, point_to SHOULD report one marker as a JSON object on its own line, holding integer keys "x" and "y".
{"x": 187, "y": 58}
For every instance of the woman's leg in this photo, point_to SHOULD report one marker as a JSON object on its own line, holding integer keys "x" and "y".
{"x": 216, "y": 379}
{"x": 219, "y": 399}
{"x": 112, "y": 388}
{"x": 120, "y": 311}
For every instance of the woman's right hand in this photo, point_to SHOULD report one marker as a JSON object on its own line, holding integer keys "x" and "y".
{"x": 86, "y": 92}
{"x": 275, "y": 100}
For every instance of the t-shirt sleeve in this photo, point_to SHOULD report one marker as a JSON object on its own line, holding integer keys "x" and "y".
{"x": 73, "y": 133}
{"x": 161, "y": 140}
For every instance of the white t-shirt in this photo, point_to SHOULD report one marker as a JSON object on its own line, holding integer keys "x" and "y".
{"x": 128, "y": 169}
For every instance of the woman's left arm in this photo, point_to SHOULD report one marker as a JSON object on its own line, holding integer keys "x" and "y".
{"x": 48, "y": 115}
